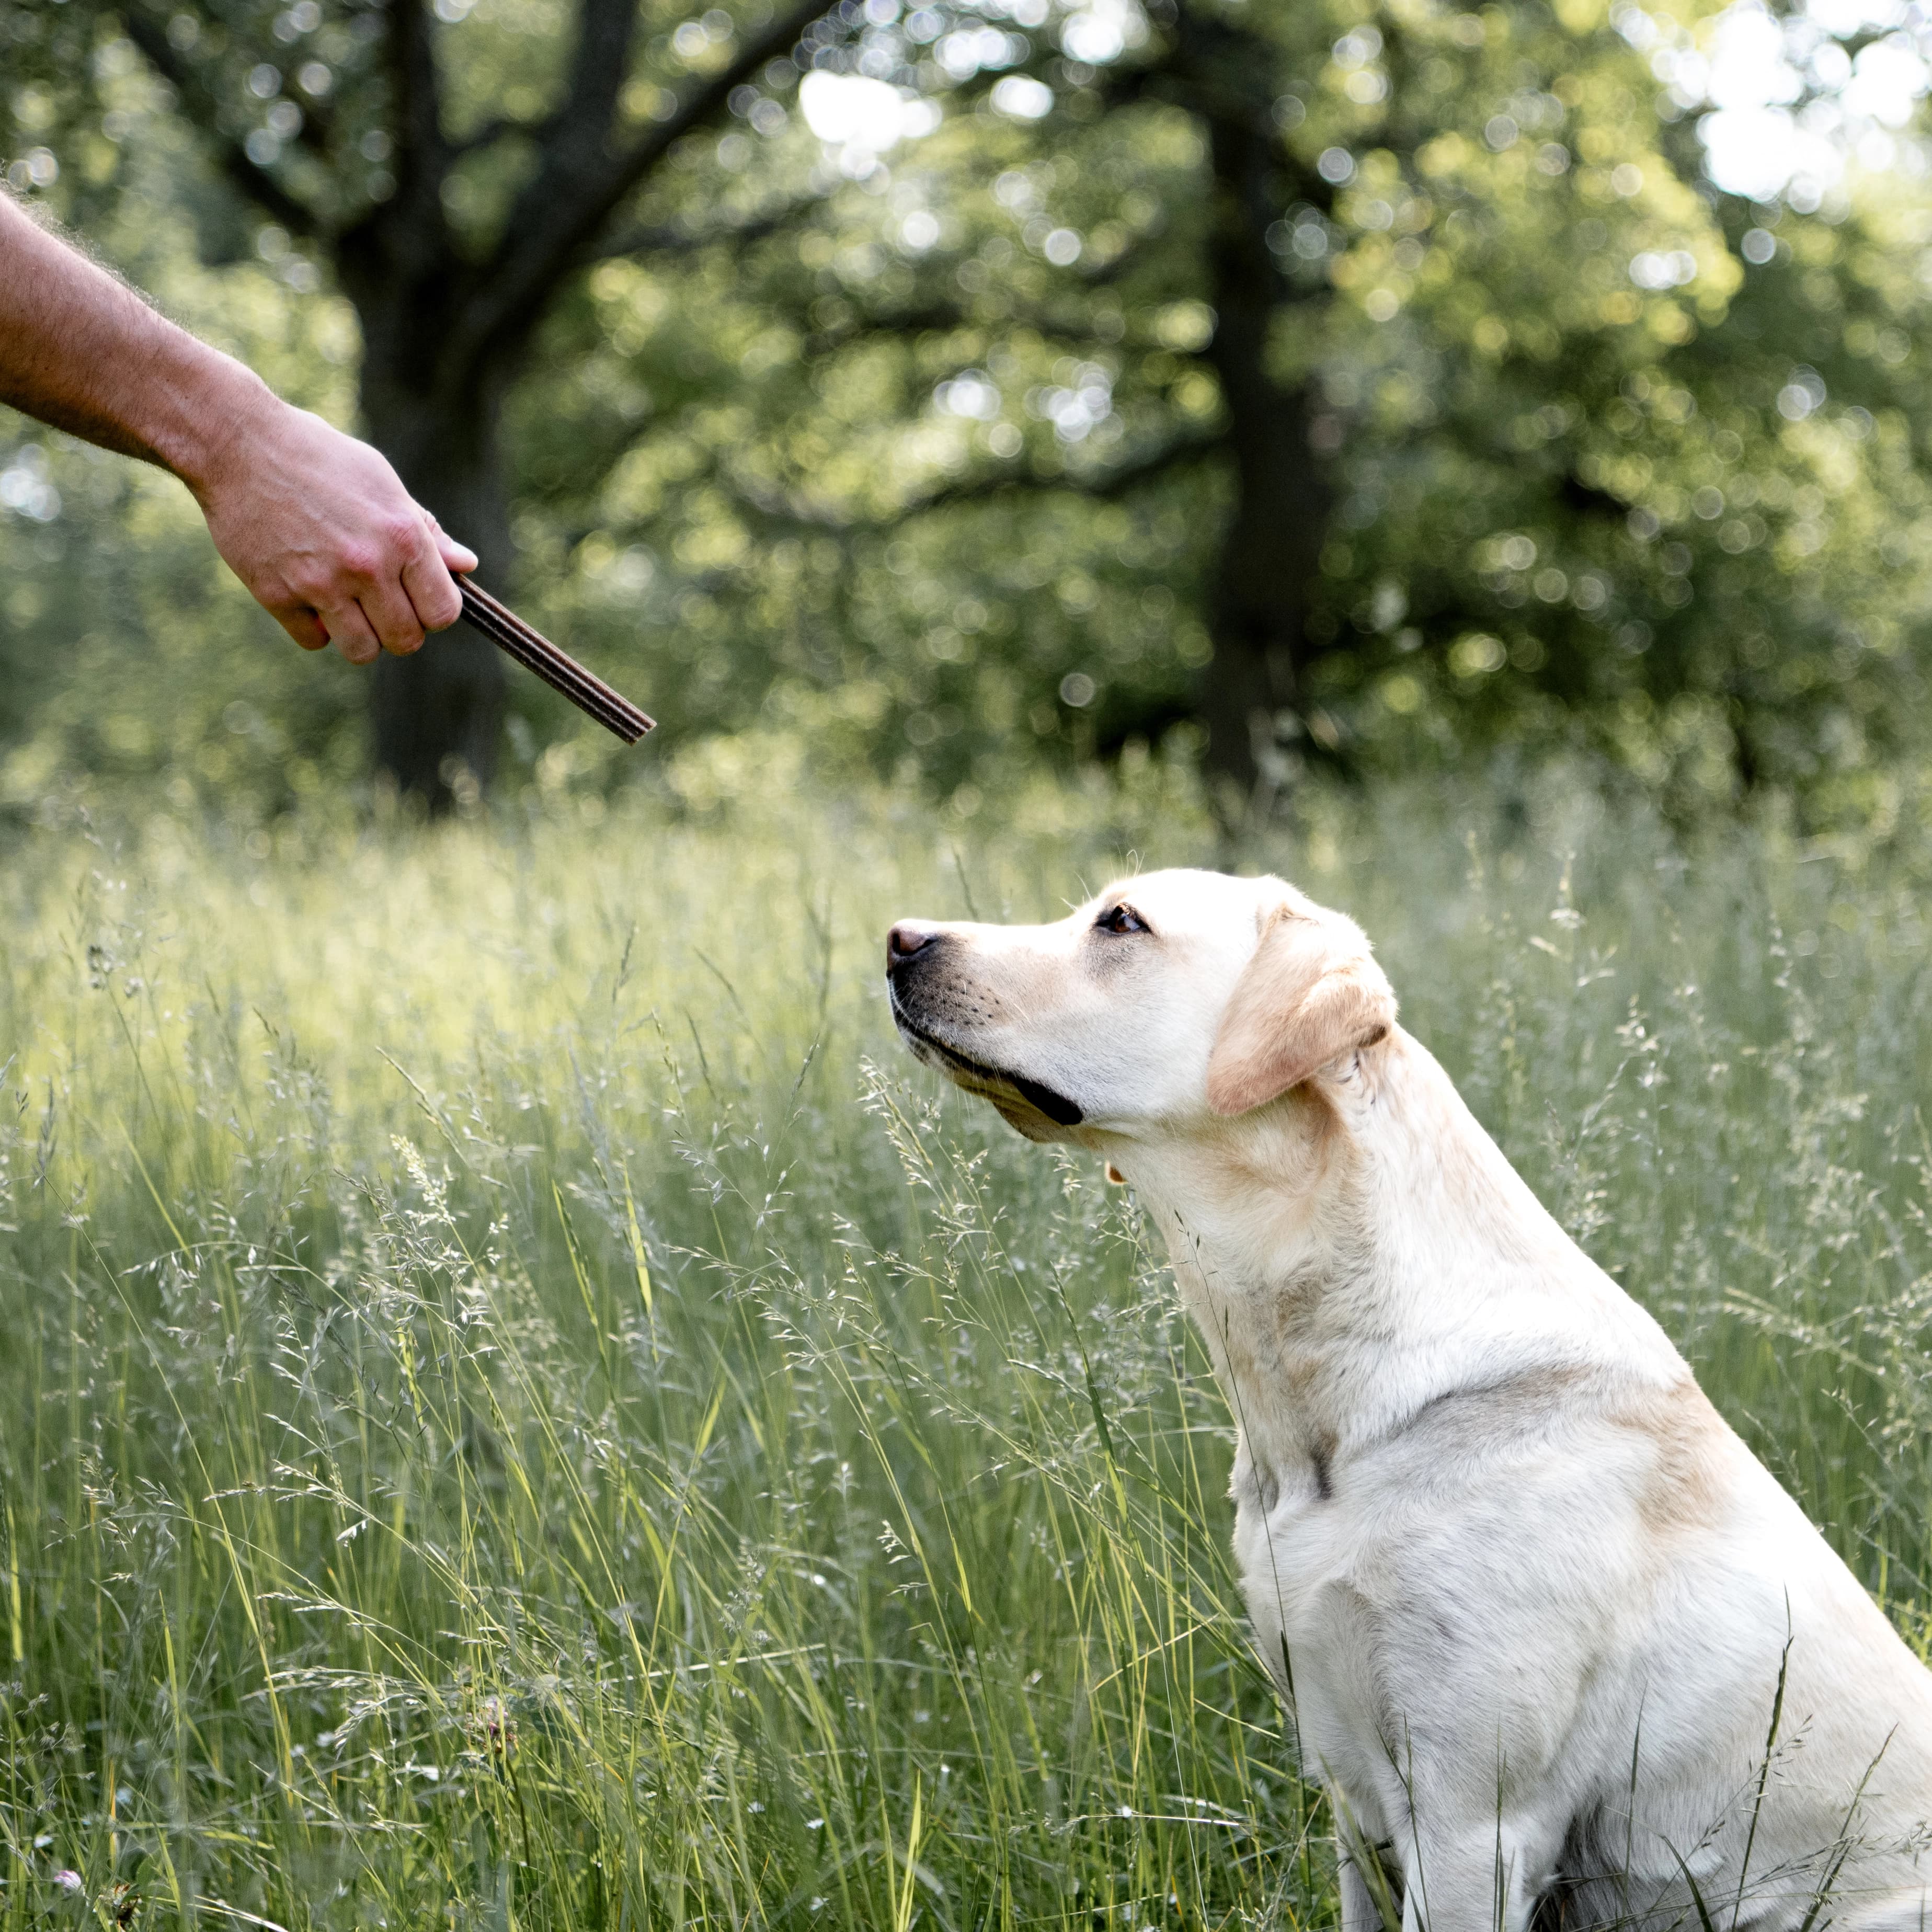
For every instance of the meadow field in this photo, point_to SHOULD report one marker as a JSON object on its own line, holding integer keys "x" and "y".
{"x": 520, "y": 1406}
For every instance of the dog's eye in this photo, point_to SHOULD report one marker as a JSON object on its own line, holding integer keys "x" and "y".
{"x": 1120, "y": 919}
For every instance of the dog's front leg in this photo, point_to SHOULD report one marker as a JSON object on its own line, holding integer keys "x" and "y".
{"x": 1360, "y": 1910}
{"x": 1474, "y": 1882}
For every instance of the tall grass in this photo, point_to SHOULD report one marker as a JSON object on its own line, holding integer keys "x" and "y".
{"x": 521, "y": 1406}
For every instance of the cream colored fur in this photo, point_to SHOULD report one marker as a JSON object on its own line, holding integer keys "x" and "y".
{"x": 1531, "y": 1600}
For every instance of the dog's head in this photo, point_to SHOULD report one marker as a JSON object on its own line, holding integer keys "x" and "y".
{"x": 1166, "y": 1002}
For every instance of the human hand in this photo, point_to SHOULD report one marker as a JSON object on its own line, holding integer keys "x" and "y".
{"x": 316, "y": 525}
{"x": 319, "y": 528}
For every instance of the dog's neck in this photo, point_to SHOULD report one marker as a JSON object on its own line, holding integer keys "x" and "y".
{"x": 1362, "y": 1249}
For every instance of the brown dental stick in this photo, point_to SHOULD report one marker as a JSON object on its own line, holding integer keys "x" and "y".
{"x": 558, "y": 669}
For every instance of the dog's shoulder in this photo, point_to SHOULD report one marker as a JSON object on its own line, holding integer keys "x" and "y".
{"x": 1566, "y": 1434}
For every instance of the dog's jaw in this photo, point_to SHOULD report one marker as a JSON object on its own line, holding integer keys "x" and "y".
{"x": 1030, "y": 1105}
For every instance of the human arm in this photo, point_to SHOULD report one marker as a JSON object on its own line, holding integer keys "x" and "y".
{"x": 317, "y": 525}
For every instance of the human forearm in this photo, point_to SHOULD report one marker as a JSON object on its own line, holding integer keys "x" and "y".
{"x": 80, "y": 350}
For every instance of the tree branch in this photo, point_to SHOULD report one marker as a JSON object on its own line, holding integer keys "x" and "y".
{"x": 581, "y": 183}
{"x": 255, "y": 184}
{"x": 640, "y": 240}
{"x": 948, "y": 316}
{"x": 1120, "y": 481}
{"x": 492, "y": 131}
{"x": 934, "y": 315}
{"x": 707, "y": 100}
{"x": 941, "y": 313}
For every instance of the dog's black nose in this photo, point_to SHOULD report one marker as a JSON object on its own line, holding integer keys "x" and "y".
{"x": 908, "y": 939}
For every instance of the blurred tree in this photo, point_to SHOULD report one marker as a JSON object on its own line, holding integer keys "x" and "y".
{"x": 1444, "y": 308}
{"x": 1372, "y": 382}
{"x": 1428, "y": 327}
{"x": 451, "y": 208}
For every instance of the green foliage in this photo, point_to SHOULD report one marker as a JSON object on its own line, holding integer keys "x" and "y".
{"x": 1564, "y": 500}
{"x": 521, "y": 1404}
{"x": 1643, "y": 533}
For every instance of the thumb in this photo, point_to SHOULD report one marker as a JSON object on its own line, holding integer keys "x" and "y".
{"x": 457, "y": 556}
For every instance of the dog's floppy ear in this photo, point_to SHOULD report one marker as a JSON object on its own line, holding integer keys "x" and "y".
{"x": 1311, "y": 993}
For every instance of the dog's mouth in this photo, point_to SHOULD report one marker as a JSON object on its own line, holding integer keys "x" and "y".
{"x": 992, "y": 1083}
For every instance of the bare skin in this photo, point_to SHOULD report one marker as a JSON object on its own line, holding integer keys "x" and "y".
{"x": 317, "y": 525}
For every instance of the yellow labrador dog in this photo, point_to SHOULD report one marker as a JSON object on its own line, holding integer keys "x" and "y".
{"x": 1552, "y": 1637}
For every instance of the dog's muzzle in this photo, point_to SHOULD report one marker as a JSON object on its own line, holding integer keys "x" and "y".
{"x": 913, "y": 950}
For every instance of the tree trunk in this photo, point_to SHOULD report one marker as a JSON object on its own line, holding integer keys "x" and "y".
{"x": 1253, "y": 697}
{"x": 1253, "y": 690}
{"x": 435, "y": 717}
{"x": 444, "y": 333}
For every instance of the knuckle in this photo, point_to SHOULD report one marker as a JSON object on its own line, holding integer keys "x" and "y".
{"x": 399, "y": 534}
{"x": 359, "y": 560}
